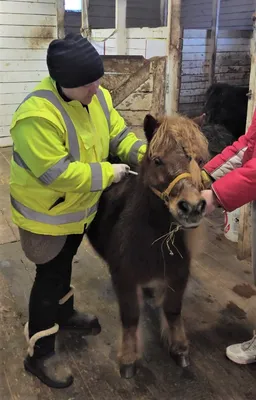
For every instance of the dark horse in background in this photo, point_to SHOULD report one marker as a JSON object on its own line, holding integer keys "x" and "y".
{"x": 224, "y": 113}
{"x": 146, "y": 229}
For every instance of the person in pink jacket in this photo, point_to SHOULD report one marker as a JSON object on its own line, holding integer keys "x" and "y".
{"x": 233, "y": 184}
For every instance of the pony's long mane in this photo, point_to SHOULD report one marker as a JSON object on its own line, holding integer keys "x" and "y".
{"x": 180, "y": 130}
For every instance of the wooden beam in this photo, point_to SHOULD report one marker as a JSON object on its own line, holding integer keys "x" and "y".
{"x": 247, "y": 223}
{"x": 158, "y": 95}
{"x": 213, "y": 39}
{"x": 120, "y": 25}
{"x": 60, "y": 9}
{"x": 163, "y": 12}
{"x": 85, "y": 28}
{"x": 174, "y": 53}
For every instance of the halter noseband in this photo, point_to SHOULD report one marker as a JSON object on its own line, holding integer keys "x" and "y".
{"x": 166, "y": 194}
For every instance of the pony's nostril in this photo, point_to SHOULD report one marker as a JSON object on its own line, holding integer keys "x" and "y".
{"x": 184, "y": 206}
{"x": 201, "y": 206}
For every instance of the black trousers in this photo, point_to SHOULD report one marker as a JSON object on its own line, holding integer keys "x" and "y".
{"x": 52, "y": 282}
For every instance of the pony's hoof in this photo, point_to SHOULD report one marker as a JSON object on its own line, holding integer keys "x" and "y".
{"x": 127, "y": 371}
{"x": 182, "y": 360}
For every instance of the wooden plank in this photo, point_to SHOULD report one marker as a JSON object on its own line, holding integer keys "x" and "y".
{"x": 120, "y": 26}
{"x": 234, "y": 48}
{"x": 196, "y": 49}
{"x": 24, "y": 76}
{"x": 135, "y": 80}
{"x": 25, "y": 43}
{"x": 8, "y": 109}
{"x": 6, "y": 141}
{"x": 158, "y": 99}
{"x": 137, "y": 102}
{"x": 111, "y": 82}
{"x": 135, "y": 33}
{"x": 192, "y": 99}
{"x": 22, "y": 65}
{"x": 20, "y": 87}
{"x": 4, "y": 131}
{"x": 213, "y": 38}
{"x": 85, "y": 28}
{"x": 5, "y": 120}
{"x": 123, "y": 64}
{"x": 60, "y": 14}
{"x": 11, "y": 98}
{"x": 39, "y": 1}
{"x": 174, "y": 54}
{"x": 25, "y": 19}
{"x": 46, "y": 32}
{"x": 133, "y": 117}
{"x": 33, "y": 8}
{"x": 22, "y": 54}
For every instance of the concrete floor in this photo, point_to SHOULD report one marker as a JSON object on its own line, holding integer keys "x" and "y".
{"x": 219, "y": 309}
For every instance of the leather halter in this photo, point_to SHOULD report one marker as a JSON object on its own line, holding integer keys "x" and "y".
{"x": 165, "y": 195}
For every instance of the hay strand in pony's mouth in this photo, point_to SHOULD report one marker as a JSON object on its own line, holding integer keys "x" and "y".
{"x": 169, "y": 237}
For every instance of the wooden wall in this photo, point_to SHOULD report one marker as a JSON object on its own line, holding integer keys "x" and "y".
{"x": 26, "y": 28}
{"x": 101, "y": 15}
{"x": 147, "y": 42}
{"x": 232, "y": 64}
{"x": 234, "y": 14}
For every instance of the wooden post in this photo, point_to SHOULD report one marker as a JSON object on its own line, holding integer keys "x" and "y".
{"x": 247, "y": 231}
{"x": 174, "y": 54}
{"x": 85, "y": 28}
{"x": 163, "y": 9}
{"x": 60, "y": 7}
{"x": 120, "y": 25}
{"x": 213, "y": 39}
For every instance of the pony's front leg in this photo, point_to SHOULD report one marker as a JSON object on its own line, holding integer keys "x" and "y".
{"x": 129, "y": 313}
{"x": 173, "y": 327}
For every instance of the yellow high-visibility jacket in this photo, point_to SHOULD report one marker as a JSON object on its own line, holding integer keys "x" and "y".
{"x": 59, "y": 167}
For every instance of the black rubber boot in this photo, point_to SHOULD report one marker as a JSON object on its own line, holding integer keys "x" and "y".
{"x": 50, "y": 370}
{"x": 70, "y": 319}
{"x": 43, "y": 362}
{"x": 89, "y": 324}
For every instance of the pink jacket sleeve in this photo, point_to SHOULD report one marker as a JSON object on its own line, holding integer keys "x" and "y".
{"x": 235, "y": 183}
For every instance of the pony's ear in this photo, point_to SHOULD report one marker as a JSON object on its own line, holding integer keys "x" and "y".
{"x": 150, "y": 126}
{"x": 199, "y": 120}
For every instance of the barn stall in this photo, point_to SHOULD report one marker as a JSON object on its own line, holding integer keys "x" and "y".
{"x": 208, "y": 27}
{"x": 219, "y": 308}
{"x": 210, "y": 43}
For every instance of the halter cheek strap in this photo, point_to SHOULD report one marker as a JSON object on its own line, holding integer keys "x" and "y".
{"x": 166, "y": 194}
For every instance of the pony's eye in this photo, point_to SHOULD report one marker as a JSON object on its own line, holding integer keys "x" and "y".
{"x": 158, "y": 161}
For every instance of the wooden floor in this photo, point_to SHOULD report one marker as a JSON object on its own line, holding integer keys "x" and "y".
{"x": 219, "y": 309}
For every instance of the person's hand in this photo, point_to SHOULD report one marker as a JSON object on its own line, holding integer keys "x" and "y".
{"x": 211, "y": 200}
{"x": 120, "y": 171}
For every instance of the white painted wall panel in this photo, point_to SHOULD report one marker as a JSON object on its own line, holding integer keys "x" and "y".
{"x": 26, "y": 29}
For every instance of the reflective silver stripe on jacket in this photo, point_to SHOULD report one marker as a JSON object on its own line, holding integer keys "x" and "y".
{"x": 52, "y": 219}
{"x": 56, "y": 170}
{"x": 114, "y": 143}
{"x": 97, "y": 178}
{"x": 134, "y": 152}
{"x": 51, "y": 174}
{"x": 72, "y": 137}
{"x": 104, "y": 105}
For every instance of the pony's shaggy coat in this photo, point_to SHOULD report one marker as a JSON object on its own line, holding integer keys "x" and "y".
{"x": 134, "y": 233}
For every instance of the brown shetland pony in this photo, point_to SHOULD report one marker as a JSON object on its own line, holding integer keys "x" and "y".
{"x": 143, "y": 230}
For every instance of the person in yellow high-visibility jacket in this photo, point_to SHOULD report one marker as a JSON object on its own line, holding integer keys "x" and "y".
{"x": 63, "y": 133}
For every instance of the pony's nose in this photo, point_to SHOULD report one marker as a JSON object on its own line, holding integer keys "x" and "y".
{"x": 187, "y": 208}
